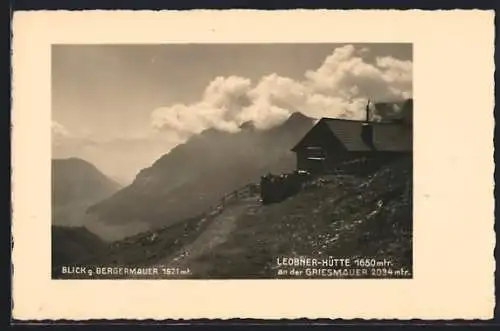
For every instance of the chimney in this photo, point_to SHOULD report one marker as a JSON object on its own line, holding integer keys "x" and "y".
{"x": 367, "y": 129}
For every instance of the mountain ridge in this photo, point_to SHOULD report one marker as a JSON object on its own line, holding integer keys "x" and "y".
{"x": 366, "y": 216}
{"x": 76, "y": 184}
{"x": 194, "y": 175}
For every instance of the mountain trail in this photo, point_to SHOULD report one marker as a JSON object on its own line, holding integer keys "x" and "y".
{"x": 215, "y": 234}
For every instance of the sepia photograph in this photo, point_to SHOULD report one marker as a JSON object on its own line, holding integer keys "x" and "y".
{"x": 232, "y": 161}
{"x": 184, "y": 165}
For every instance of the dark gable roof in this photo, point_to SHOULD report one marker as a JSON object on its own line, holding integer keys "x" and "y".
{"x": 387, "y": 136}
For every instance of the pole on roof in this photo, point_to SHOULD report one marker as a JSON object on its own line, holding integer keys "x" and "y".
{"x": 368, "y": 111}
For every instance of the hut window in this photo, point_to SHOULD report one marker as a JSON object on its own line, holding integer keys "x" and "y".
{"x": 315, "y": 153}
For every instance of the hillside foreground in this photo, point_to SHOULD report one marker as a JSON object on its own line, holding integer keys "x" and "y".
{"x": 336, "y": 216}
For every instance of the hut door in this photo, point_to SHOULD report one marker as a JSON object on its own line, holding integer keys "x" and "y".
{"x": 316, "y": 159}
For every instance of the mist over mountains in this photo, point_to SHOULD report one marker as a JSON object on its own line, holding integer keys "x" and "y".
{"x": 164, "y": 211}
{"x": 123, "y": 107}
{"x": 149, "y": 143}
{"x": 197, "y": 174}
{"x": 185, "y": 181}
{"x": 332, "y": 216}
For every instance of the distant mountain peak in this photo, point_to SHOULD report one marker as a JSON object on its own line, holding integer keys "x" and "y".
{"x": 196, "y": 174}
{"x": 298, "y": 117}
{"x": 71, "y": 159}
{"x": 76, "y": 182}
{"x": 295, "y": 121}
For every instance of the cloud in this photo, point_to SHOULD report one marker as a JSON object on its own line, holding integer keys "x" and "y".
{"x": 62, "y": 137}
{"x": 59, "y": 133}
{"x": 339, "y": 87}
{"x": 346, "y": 75}
{"x": 222, "y": 100}
{"x": 59, "y": 130}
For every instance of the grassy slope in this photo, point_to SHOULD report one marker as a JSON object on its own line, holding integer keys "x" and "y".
{"x": 334, "y": 216}
{"x": 365, "y": 217}
{"x": 73, "y": 246}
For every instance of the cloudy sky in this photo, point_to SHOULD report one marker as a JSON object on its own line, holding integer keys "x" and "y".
{"x": 122, "y": 106}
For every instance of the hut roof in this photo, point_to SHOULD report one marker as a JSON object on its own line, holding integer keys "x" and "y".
{"x": 387, "y": 136}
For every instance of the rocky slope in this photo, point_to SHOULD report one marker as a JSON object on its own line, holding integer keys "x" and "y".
{"x": 178, "y": 211}
{"x": 194, "y": 176}
{"x": 336, "y": 216}
{"x": 339, "y": 216}
{"x": 74, "y": 246}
